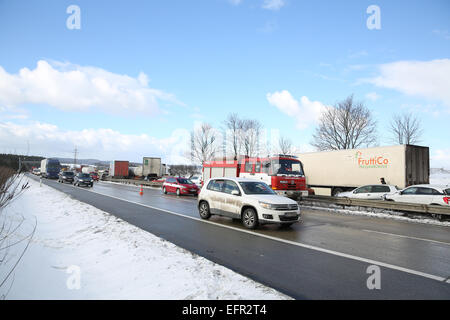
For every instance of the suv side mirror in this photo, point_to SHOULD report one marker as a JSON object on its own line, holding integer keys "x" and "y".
{"x": 235, "y": 193}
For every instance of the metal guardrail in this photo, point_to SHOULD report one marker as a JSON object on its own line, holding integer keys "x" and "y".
{"x": 380, "y": 204}
{"x": 136, "y": 182}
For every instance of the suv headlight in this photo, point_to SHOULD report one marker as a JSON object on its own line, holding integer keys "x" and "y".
{"x": 266, "y": 205}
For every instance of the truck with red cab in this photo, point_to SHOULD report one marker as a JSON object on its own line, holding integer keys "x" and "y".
{"x": 283, "y": 173}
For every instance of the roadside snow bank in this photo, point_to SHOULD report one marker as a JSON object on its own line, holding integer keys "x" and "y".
{"x": 373, "y": 212}
{"x": 81, "y": 252}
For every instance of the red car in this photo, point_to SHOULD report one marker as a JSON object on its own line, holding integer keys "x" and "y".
{"x": 94, "y": 176}
{"x": 180, "y": 186}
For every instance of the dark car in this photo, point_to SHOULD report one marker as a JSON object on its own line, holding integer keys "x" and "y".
{"x": 66, "y": 176}
{"x": 83, "y": 179}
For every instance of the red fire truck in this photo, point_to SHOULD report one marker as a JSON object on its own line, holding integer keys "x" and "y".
{"x": 283, "y": 173}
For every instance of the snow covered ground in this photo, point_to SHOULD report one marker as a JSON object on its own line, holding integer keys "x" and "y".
{"x": 439, "y": 176}
{"x": 81, "y": 252}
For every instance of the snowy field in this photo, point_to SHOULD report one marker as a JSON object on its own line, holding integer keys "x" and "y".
{"x": 81, "y": 252}
{"x": 439, "y": 176}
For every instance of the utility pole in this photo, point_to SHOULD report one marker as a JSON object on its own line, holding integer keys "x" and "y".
{"x": 75, "y": 156}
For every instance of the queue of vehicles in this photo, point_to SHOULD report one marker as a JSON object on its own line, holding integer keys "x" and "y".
{"x": 222, "y": 189}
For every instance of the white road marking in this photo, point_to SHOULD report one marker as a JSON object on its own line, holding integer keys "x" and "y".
{"x": 298, "y": 244}
{"x": 408, "y": 237}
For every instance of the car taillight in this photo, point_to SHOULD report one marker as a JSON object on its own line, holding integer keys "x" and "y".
{"x": 446, "y": 200}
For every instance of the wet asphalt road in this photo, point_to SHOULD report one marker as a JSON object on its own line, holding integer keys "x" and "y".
{"x": 324, "y": 257}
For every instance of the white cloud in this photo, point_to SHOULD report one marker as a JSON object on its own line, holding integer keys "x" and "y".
{"x": 443, "y": 33}
{"x": 71, "y": 87}
{"x": 428, "y": 79}
{"x": 235, "y": 2}
{"x": 372, "y": 96}
{"x": 305, "y": 111}
{"x": 104, "y": 144}
{"x": 273, "y": 4}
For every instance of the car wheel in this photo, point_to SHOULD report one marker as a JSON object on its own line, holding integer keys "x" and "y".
{"x": 250, "y": 218}
{"x": 203, "y": 210}
{"x": 92, "y": 184}
{"x": 164, "y": 190}
{"x": 178, "y": 192}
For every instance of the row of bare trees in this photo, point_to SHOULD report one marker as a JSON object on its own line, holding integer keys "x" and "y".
{"x": 350, "y": 124}
{"x": 238, "y": 137}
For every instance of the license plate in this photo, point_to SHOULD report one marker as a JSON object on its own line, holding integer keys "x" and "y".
{"x": 290, "y": 214}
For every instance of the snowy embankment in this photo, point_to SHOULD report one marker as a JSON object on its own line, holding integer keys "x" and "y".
{"x": 81, "y": 252}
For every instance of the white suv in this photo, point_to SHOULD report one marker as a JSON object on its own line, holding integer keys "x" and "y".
{"x": 252, "y": 201}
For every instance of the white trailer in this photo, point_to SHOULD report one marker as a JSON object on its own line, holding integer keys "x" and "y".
{"x": 151, "y": 166}
{"x": 88, "y": 169}
{"x": 331, "y": 172}
{"x": 137, "y": 171}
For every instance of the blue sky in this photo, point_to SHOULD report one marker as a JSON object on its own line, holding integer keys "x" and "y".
{"x": 193, "y": 61}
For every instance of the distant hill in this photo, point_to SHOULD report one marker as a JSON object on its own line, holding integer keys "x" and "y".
{"x": 84, "y": 161}
{"x": 92, "y": 162}
{"x": 12, "y": 161}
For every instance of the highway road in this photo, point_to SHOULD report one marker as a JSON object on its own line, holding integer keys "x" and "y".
{"x": 326, "y": 256}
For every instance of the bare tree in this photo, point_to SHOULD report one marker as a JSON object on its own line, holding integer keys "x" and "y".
{"x": 347, "y": 125}
{"x": 183, "y": 170}
{"x": 405, "y": 129}
{"x": 234, "y": 129}
{"x": 285, "y": 145}
{"x": 11, "y": 187}
{"x": 251, "y": 131}
{"x": 203, "y": 143}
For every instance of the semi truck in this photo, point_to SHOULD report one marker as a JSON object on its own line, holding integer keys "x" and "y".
{"x": 88, "y": 169}
{"x": 332, "y": 172}
{"x": 151, "y": 167}
{"x": 50, "y": 168}
{"x": 283, "y": 173}
{"x": 119, "y": 168}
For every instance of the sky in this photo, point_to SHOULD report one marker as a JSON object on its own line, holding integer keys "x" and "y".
{"x": 133, "y": 78}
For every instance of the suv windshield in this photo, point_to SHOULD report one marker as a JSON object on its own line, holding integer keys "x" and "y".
{"x": 283, "y": 166}
{"x": 256, "y": 188}
{"x": 84, "y": 175}
{"x": 68, "y": 173}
